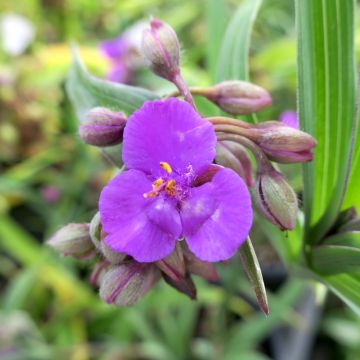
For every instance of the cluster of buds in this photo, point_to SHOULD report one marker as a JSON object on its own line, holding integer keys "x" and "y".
{"x": 121, "y": 280}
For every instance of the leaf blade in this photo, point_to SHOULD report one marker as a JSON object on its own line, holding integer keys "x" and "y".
{"x": 326, "y": 64}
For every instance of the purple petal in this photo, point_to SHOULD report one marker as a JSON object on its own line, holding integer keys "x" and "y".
{"x": 217, "y": 217}
{"x": 114, "y": 48}
{"x": 290, "y": 118}
{"x": 143, "y": 228}
{"x": 120, "y": 73}
{"x": 168, "y": 131}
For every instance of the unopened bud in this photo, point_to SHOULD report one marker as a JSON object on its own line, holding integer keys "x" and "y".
{"x": 103, "y": 127}
{"x": 198, "y": 267}
{"x": 173, "y": 265}
{"x": 289, "y": 157}
{"x": 97, "y": 236}
{"x": 73, "y": 240}
{"x": 235, "y": 157}
{"x": 161, "y": 49}
{"x": 238, "y": 97}
{"x": 275, "y": 136}
{"x": 126, "y": 284}
{"x": 276, "y": 199}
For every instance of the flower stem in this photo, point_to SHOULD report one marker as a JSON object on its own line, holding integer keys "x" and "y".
{"x": 263, "y": 162}
{"x": 184, "y": 90}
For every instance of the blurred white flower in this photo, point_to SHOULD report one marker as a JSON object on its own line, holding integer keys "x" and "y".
{"x": 16, "y": 33}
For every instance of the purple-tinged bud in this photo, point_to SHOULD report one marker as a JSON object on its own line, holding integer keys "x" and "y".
{"x": 234, "y": 156}
{"x": 275, "y": 136}
{"x": 103, "y": 127}
{"x": 97, "y": 236}
{"x": 73, "y": 240}
{"x": 173, "y": 265}
{"x": 238, "y": 97}
{"x": 198, "y": 267}
{"x": 126, "y": 284}
{"x": 275, "y": 199}
{"x": 185, "y": 286}
{"x": 161, "y": 49}
{"x": 207, "y": 175}
{"x": 99, "y": 271}
{"x": 289, "y": 157}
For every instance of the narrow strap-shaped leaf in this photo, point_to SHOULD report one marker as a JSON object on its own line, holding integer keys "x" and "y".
{"x": 216, "y": 24}
{"x": 349, "y": 238}
{"x": 336, "y": 259}
{"x": 346, "y": 287}
{"x": 326, "y": 98}
{"x": 253, "y": 272}
{"x": 234, "y": 55}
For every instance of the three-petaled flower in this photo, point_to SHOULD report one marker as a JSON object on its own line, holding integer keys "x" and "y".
{"x": 167, "y": 146}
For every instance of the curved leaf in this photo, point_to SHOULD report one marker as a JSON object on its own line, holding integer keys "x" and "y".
{"x": 336, "y": 259}
{"x": 86, "y": 91}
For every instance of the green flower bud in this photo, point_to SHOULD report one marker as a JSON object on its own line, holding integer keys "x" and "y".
{"x": 73, "y": 240}
{"x": 275, "y": 199}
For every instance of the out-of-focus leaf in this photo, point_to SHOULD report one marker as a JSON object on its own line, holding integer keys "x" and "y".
{"x": 335, "y": 259}
{"x": 86, "y": 91}
{"x": 216, "y": 24}
{"x": 350, "y": 238}
{"x": 234, "y": 55}
{"x": 253, "y": 271}
{"x": 346, "y": 287}
{"x": 248, "y": 333}
{"x": 352, "y": 196}
{"x": 326, "y": 97}
{"x": 25, "y": 249}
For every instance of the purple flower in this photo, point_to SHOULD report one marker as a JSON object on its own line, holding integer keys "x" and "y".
{"x": 290, "y": 118}
{"x": 145, "y": 210}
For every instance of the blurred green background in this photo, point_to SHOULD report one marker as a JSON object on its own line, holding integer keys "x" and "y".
{"x": 49, "y": 178}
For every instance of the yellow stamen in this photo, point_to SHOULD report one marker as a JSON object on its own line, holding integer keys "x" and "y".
{"x": 170, "y": 187}
{"x": 157, "y": 183}
{"x": 166, "y": 167}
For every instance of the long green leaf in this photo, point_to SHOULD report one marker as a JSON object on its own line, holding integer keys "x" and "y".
{"x": 335, "y": 259}
{"x": 86, "y": 91}
{"x": 234, "y": 55}
{"x": 216, "y": 24}
{"x": 253, "y": 271}
{"x": 347, "y": 288}
{"x": 326, "y": 98}
{"x": 349, "y": 238}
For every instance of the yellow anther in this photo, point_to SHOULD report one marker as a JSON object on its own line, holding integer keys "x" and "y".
{"x": 170, "y": 187}
{"x": 166, "y": 167}
{"x": 157, "y": 183}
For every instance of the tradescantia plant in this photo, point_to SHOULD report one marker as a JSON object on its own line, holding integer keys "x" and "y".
{"x": 181, "y": 200}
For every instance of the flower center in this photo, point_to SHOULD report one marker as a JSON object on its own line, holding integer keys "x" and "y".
{"x": 161, "y": 184}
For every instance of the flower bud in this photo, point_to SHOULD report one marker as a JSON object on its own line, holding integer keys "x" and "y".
{"x": 235, "y": 157}
{"x": 275, "y": 136}
{"x": 98, "y": 272}
{"x": 289, "y": 157}
{"x": 276, "y": 199}
{"x": 73, "y": 240}
{"x": 238, "y": 97}
{"x": 97, "y": 236}
{"x": 173, "y": 265}
{"x": 125, "y": 284}
{"x": 103, "y": 127}
{"x": 161, "y": 49}
{"x": 198, "y": 267}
